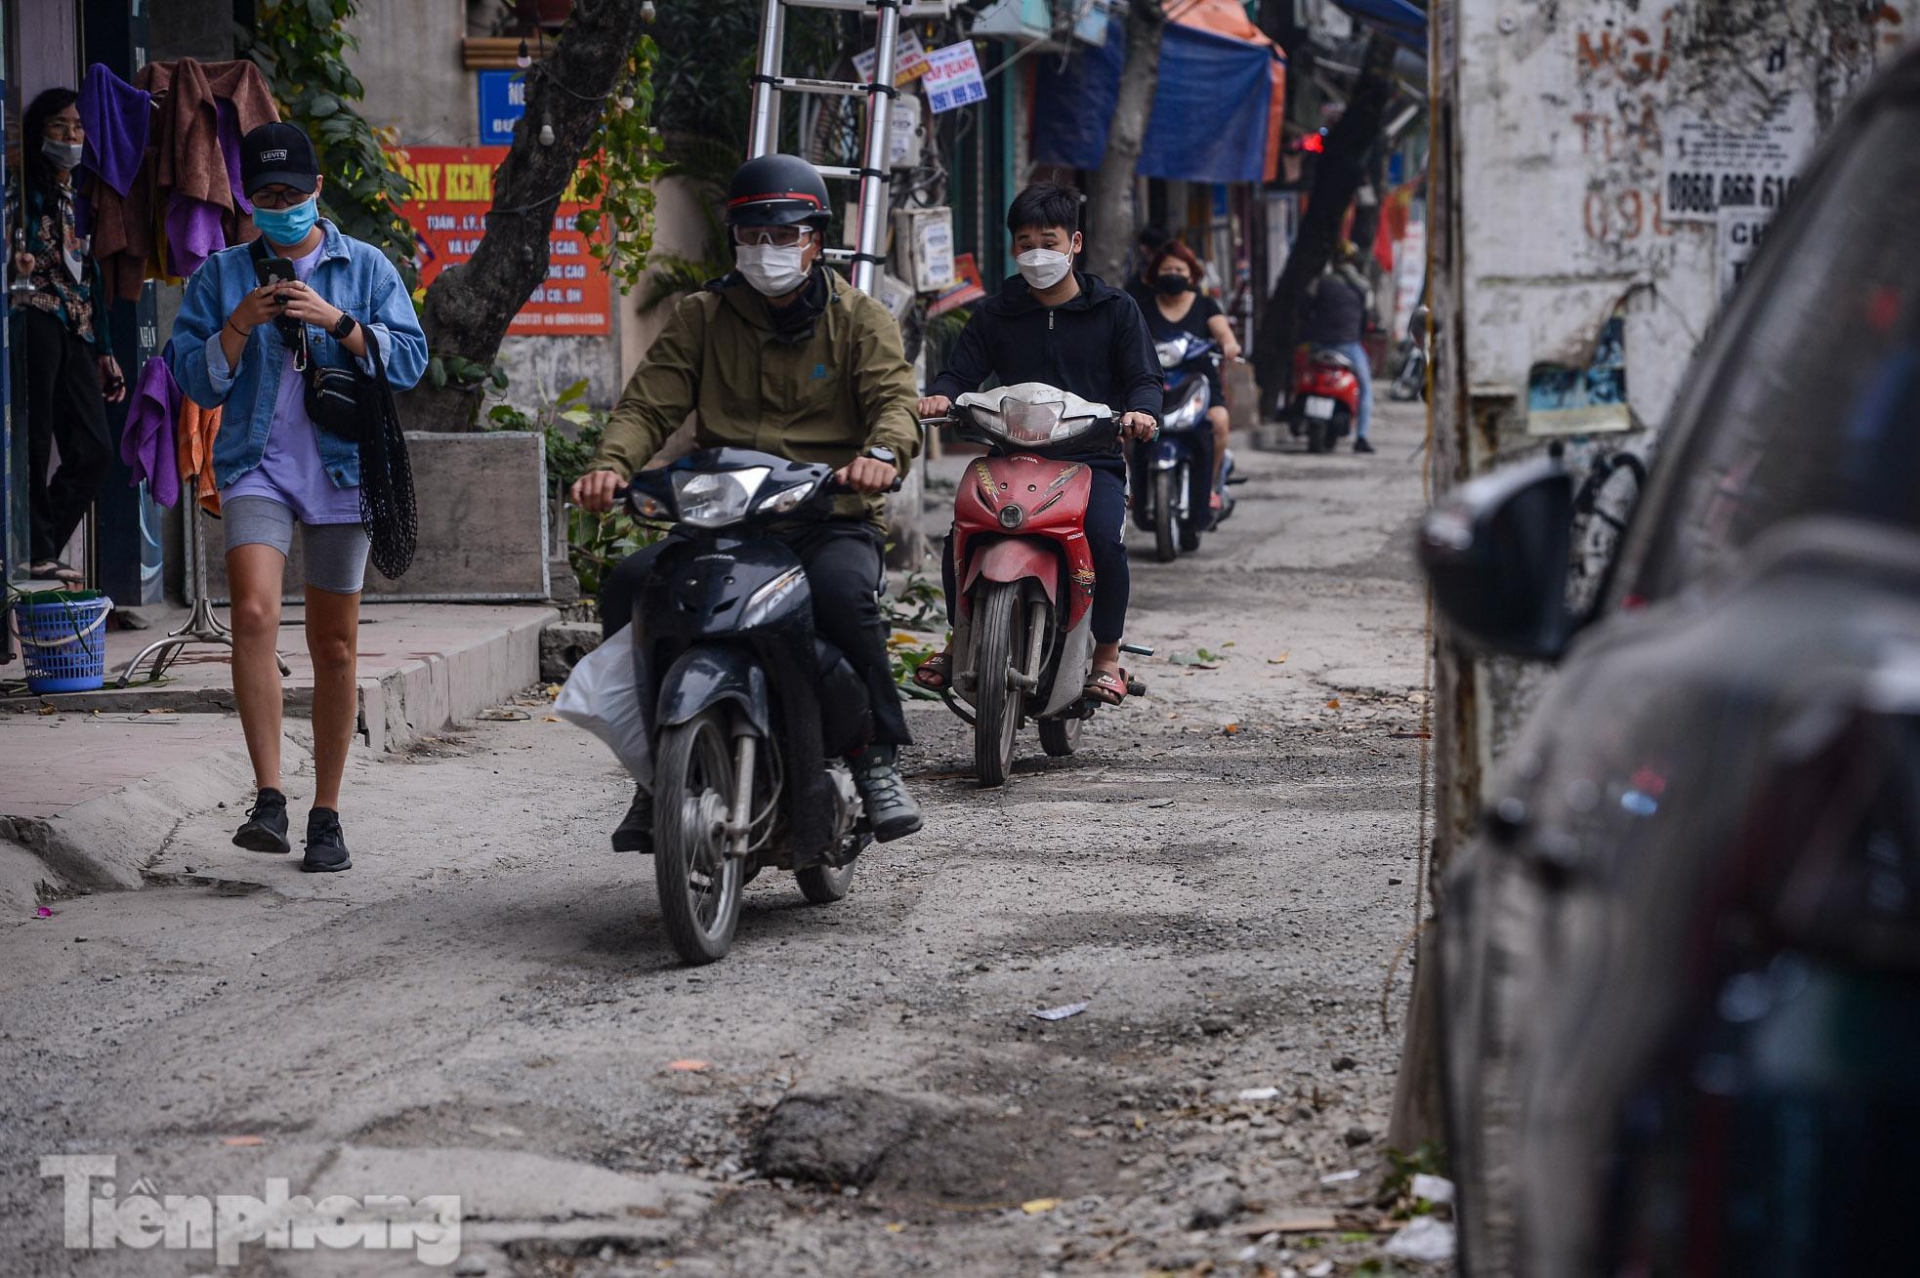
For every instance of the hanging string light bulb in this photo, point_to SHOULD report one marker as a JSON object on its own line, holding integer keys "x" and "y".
{"x": 524, "y": 58}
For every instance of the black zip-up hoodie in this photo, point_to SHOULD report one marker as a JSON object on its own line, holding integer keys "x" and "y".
{"x": 1096, "y": 346}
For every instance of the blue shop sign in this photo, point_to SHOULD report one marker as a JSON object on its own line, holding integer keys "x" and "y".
{"x": 503, "y": 100}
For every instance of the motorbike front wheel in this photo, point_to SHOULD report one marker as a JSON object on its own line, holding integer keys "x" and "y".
{"x": 1165, "y": 548}
{"x": 693, "y": 785}
{"x": 825, "y": 884}
{"x": 1000, "y": 641}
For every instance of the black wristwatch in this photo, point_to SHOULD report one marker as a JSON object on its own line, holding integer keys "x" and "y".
{"x": 881, "y": 453}
{"x": 344, "y": 329}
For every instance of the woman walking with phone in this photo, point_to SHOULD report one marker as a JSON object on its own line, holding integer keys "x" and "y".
{"x": 253, "y": 323}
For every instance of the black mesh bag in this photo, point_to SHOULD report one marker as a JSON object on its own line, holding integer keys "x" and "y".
{"x": 386, "y": 477}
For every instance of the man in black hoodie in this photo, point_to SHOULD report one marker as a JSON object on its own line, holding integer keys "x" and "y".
{"x": 1053, "y": 324}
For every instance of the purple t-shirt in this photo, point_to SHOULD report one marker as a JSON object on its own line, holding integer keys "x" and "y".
{"x": 290, "y": 471}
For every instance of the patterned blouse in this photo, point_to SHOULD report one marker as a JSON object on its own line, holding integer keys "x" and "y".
{"x": 61, "y": 276}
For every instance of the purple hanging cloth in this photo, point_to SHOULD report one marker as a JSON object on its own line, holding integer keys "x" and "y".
{"x": 194, "y": 233}
{"x": 117, "y": 117}
{"x": 147, "y": 443}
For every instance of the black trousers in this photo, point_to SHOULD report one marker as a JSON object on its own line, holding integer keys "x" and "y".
{"x": 60, "y": 375}
{"x": 843, "y": 562}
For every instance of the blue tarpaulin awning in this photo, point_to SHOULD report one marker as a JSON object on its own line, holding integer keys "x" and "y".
{"x": 1211, "y": 108}
{"x": 1401, "y": 19}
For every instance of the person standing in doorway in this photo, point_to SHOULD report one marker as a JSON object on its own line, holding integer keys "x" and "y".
{"x": 1339, "y": 311}
{"x": 253, "y": 320}
{"x": 67, "y": 370}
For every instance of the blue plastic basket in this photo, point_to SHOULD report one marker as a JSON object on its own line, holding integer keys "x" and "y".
{"x": 63, "y": 638}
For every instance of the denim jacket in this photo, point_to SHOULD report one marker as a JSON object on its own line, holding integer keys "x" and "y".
{"x": 354, "y": 276}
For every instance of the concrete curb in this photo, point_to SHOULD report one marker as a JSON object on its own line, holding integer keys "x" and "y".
{"x": 107, "y": 842}
{"x": 437, "y": 689}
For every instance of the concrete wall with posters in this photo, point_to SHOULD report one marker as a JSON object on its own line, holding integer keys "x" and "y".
{"x": 1603, "y": 168}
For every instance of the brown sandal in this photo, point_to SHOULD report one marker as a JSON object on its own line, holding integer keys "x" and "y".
{"x": 932, "y": 673}
{"x": 1107, "y": 687}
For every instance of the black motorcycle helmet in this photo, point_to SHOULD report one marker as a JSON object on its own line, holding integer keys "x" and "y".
{"x": 777, "y": 190}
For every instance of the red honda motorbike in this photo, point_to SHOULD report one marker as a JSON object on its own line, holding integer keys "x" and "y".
{"x": 1326, "y": 397}
{"x": 1022, "y": 628}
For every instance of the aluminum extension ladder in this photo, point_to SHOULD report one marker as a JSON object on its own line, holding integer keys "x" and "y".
{"x": 874, "y": 174}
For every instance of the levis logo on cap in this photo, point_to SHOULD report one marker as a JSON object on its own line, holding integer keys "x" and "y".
{"x": 273, "y": 157}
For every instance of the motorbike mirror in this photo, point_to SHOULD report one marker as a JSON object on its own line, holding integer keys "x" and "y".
{"x": 1497, "y": 552}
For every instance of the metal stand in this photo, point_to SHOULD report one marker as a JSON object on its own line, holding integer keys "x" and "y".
{"x": 202, "y": 626}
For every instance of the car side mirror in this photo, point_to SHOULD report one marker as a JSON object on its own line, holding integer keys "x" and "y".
{"x": 1497, "y": 552}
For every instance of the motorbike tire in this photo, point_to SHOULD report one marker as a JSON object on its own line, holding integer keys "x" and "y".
{"x": 1319, "y": 435}
{"x": 1058, "y": 737}
{"x": 701, "y": 908}
{"x": 1166, "y": 548}
{"x": 823, "y": 884}
{"x": 1000, "y": 640}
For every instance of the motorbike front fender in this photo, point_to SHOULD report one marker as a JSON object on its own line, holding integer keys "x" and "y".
{"x": 1016, "y": 559}
{"x": 711, "y": 675}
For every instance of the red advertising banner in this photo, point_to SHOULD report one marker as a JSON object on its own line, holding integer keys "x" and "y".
{"x": 452, "y": 190}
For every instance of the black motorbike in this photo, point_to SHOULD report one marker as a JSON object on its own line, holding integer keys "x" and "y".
{"x": 754, "y": 713}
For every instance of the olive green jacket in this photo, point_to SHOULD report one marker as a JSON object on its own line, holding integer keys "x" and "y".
{"x": 827, "y": 399}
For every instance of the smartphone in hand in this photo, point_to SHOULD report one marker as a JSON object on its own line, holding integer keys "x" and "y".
{"x": 274, "y": 270}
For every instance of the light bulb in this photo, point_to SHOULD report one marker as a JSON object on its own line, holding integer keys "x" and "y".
{"x": 647, "y": 13}
{"x": 523, "y": 59}
{"x": 546, "y": 135}
{"x": 626, "y": 102}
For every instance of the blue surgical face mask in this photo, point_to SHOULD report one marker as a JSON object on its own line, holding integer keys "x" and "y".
{"x": 287, "y": 227}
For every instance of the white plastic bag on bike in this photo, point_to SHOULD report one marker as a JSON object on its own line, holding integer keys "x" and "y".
{"x": 602, "y": 695}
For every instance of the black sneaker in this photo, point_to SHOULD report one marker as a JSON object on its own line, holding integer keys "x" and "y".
{"x": 326, "y": 845}
{"x": 266, "y": 827}
{"x": 635, "y": 831}
{"x": 890, "y": 809}
{"x": 1362, "y": 446}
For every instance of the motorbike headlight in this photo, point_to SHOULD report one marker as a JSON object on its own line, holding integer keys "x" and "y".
{"x": 1031, "y": 423}
{"x": 764, "y": 602}
{"x": 1188, "y": 415}
{"x": 1172, "y": 353}
{"x": 713, "y": 499}
{"x": 790, "y": 499}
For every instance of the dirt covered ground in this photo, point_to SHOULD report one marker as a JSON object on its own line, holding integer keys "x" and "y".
{"x": 485, "y": 1004}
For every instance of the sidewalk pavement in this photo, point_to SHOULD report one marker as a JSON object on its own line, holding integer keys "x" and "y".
{"x": 94, "y": 783}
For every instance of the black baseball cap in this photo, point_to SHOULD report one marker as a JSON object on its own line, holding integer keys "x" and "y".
{"x": 277, "y": 154}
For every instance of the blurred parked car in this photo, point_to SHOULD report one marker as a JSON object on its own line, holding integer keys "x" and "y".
{"x": 1681, "y": 959}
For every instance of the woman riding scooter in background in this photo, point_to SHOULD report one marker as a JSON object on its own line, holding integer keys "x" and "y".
{"x": 1179, "y": 307}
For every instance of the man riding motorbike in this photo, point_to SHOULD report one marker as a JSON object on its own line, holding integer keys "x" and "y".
{"x": 1339, "y": 309}
{"x": 785, "y": 357}
{"x": 1053, "y": 324}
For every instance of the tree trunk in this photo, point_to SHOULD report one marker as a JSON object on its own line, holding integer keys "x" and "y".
{"x": 1112, "y": 236}
{"x": 468, "y": 307}
{"x": 1339, "y": 173}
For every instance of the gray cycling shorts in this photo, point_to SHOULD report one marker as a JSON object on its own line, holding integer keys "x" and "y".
{"x": 336, "y": 554}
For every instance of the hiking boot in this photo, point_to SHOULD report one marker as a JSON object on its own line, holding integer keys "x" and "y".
{"x": 266, "y": 827}
{"x": 890, "y": 809}
{"x": 1362, "y": 446}
{"x": 326, "y": 845}
{"x": 635, "y": 831}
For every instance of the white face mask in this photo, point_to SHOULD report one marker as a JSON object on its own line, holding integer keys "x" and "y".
{"x": 1043, "y": 268}
{"x": 773, "y": 271}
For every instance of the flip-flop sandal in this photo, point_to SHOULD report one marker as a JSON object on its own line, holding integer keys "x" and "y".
{"x": 54, "y": 570}
{"x": 1107, "y": 687}
{"x": 932, "y": 674}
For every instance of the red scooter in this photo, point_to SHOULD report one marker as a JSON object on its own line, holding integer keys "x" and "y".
{"x": 1022, "y": 631}
{"x": 1326, "y": 397}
